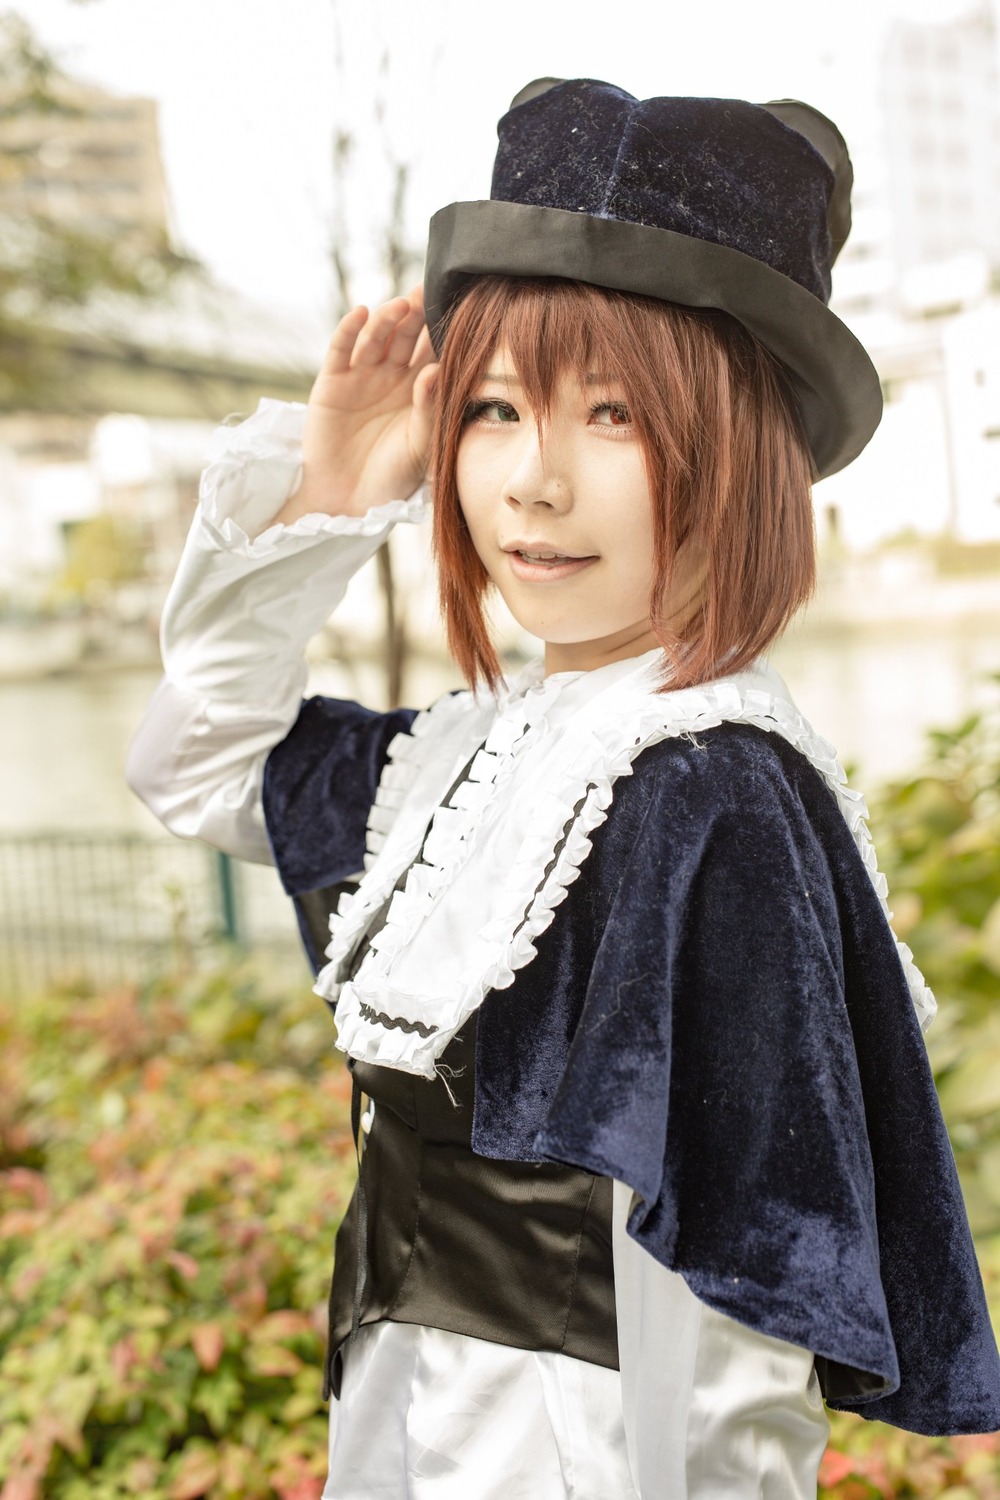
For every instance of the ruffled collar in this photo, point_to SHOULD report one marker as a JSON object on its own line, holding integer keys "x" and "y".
{"x": 502, "y": 850}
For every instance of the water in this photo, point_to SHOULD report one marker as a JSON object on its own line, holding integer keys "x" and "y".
{"x": 876, "y": 695}
{"x": 65, "y": 738}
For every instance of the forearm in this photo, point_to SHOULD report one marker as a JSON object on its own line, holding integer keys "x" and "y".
{"x": 712, "y": 1408}
{"x": 247, "y": 597}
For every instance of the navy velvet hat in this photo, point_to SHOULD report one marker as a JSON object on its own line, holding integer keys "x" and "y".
{"x": 705, "y": 202}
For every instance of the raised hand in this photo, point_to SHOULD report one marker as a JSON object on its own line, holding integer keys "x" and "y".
{"x": 368, "y": 424}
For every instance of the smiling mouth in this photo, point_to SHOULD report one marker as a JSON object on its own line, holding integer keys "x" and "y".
{"x": 546, "y": 555}
{"x": 543, "y": 565}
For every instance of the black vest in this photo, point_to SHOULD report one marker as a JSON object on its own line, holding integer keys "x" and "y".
{"x": 517, "y": 1253}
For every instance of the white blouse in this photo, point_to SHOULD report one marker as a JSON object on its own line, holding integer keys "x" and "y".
{"x": 704, "y": 1408}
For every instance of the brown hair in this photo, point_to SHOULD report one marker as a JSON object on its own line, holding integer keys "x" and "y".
{"x": 729, "y": 469}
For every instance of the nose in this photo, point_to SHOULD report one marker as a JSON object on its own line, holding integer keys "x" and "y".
{"x": 539, "y": 476}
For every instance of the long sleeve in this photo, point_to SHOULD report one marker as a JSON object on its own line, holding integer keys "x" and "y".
{"x": 246, "y": 599}
{"x": 712, "y": 1409}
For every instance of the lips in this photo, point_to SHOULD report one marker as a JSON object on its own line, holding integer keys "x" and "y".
{"x": 541, "y": 552}
{"x": 536, "y": 563}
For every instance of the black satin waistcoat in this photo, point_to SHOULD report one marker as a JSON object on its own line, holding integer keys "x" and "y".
{"x": 516, "y": 1253}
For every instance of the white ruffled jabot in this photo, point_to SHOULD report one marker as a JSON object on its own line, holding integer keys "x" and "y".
{"x": 501, "y": 853}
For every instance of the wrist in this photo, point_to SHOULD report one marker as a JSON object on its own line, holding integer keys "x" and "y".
{"x": 308, "y": 502}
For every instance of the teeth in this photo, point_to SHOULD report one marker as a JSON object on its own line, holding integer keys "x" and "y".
{"x": 546, "y": 557}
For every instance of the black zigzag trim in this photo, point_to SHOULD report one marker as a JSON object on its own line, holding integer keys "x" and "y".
{"x": 395, "y": 1022}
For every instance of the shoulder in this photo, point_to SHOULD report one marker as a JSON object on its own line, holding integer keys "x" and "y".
{"x": 737, "y": 810}
{"x": 733, "y": 769}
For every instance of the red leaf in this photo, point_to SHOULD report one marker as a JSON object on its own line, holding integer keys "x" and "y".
{"x": 309, "y": 1488}
{"x": 31, "y": 1185}
{"x": 208, "y": 1342}
{"x": 198, "y": 1472}
{"x": 184, "y": 1263}
{"x": 26, "y": 1282}
{"x": 20, "y": 1487}
{"x": 835, "y": 1466}
{"x": 286, "y": 1323}
{"x": 123, "y": 1356}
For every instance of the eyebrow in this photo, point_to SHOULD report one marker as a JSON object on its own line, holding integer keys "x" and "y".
{"x": 513, "y": 380}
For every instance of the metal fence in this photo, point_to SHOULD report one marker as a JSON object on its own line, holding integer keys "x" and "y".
{"x": 108, "y": 907}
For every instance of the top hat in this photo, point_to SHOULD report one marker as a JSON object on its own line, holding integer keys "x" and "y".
{"x": 711, "y": 203}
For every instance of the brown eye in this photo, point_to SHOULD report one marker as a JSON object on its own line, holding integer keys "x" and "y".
{"x": 611, "y": 414}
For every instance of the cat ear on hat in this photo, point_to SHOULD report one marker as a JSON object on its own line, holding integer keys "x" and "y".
{"x": 533, "y": 90}
{"x": 823, "y": 135}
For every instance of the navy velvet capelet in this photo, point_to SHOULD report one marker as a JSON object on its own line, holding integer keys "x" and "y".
{"x": 717, "y": 1017}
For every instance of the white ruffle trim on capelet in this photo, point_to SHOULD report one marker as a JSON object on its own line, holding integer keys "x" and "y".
{"x": 500, "y": 855}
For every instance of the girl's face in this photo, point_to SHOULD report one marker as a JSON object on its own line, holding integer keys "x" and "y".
{"x": 560, "y": 515}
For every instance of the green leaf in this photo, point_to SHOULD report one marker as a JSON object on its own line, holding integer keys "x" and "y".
{"x": 972, "y": 1089}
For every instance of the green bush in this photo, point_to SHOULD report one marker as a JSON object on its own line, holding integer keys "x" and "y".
{"x": 175, "y": 1164}
{"x": 938, "y": 840}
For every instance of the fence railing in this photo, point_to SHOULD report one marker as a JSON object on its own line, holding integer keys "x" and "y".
{"x": 109, "y": 907}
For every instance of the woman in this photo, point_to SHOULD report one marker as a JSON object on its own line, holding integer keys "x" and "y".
{"x": 653, "y": 1159}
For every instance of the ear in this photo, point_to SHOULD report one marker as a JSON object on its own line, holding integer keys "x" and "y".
{"x": 824, "y": 136}
{"x": 534, "y": 89}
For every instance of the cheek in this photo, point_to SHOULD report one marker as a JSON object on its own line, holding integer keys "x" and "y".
{"x": 628, "y": 528}
{"x": 476, "y": 481}
{"x": 472, "y": 496}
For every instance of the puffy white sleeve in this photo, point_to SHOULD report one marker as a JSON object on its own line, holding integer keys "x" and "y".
{"x": 713, "y": 1410}
{"x": 245, "y": 601}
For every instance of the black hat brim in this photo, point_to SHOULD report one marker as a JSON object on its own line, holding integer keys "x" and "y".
{"x": 838, "y": 388}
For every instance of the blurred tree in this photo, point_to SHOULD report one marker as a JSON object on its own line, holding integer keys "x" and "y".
{"x": 401, "y": 263}
{"x": 101, "y": 552}
{"x": 46, "y": 262}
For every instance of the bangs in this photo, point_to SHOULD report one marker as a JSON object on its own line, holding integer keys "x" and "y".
{"x": 549, "y": 330}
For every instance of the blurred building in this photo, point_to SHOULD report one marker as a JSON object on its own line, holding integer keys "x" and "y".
{"x": 941, "y": 103}
{"x": 90, "y": 161}
{"x": 138, "y": 384}
{"x": 919, "y": 283}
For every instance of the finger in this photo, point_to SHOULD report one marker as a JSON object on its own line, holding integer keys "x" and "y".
{"x": 371, "y": 345}
{"x": 341, "y": 346}
{"x": 399, "y": 349}
{"x": 422, "y": 422}
{"x": 423, "y": 354}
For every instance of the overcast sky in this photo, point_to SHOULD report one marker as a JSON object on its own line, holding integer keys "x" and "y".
{"x": 251, "y": 96}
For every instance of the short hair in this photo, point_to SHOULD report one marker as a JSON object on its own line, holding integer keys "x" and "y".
{"x": 728, "y": 465}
